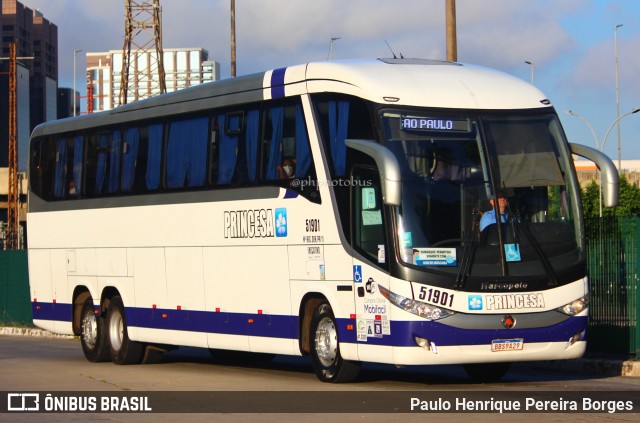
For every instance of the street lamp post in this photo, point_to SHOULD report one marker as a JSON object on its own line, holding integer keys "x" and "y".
{"x": 615, "y": 31}
{"x": 617, "y": 121}
{"x": 75, "y": 52}
{"x": 595, "y": 137}
{"x": 330, "y": 54}
{"x": 233, "y": 38}
{"x": 601, "y": 148}
{"x": 532, "y": 66}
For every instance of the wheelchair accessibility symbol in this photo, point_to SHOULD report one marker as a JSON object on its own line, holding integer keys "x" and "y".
{"x": 357, "y": 273}
{"x": 512, "y": 252}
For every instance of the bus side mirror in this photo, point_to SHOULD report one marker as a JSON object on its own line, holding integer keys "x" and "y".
{"x": 607, "y": 169}
{"x": 388, "y": 167}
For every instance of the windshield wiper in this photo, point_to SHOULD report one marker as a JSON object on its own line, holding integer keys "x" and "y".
{"x": 538, "y": 249}
{"x": 469, "y": 245}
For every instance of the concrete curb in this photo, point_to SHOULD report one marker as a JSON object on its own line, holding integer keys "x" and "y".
{"x": 607, "y": 367}
{"x": 41, "y": 333}
{"x": 586, "y": 365}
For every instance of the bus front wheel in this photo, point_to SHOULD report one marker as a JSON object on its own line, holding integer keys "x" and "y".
{"x": 93, "y": 337}
{"x": 325, "y": 349}
{"x": 122, "y": 349}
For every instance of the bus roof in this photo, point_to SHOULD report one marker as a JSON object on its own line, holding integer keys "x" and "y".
{"x": 411, "y": 82}
{"x": 430, "y": 83}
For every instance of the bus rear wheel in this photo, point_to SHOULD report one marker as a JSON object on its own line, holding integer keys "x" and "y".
{"x": 487, "y": 372}
{"x": 325, "y": 349}
{"x": 122, "y": 349}
{"x": 93, "y": 337}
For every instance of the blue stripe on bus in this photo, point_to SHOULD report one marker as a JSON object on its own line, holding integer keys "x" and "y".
{"x": 277, "y": 83}
{"x": 402, "y": 333}
{"x": 276, "y": 326}
{"x": 51, "y": 311}
{"x": 290, "y": 194}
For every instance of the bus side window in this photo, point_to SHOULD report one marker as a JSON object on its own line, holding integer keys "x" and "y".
{"x": 287, "y": 150}
{"x": 130, "y": 158}
{"x": 247, "y": 151}
{"x": 368, "y": 220}
{"x": 115, "y": 161}
{"x": 238, "y": 133}
{"x": 287, "y": 153}
{"x": 142, "y": 158}
{"x": 153, "y": 169}
{"x": 103, "y": 163}
{"x": 229, "y": 130}
{"x": 187, "y": 153}
{"x": 41, "y": 167}
{"x": 274, "y": 127}
{"x": 68, "y": 168}
{"x": 341, "y": 117}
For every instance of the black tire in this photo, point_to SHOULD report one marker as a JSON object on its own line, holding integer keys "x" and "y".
{"x": 122, "y": 349}
{"x": 93, "y": 334}
{"x": 325, "y": 349}
{"x": 487, "y": 372}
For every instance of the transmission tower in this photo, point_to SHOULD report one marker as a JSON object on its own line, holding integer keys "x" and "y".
{"x": 13, "y": 191}
{"x": 13, "y": 218}
{"x": 142, "y": 67}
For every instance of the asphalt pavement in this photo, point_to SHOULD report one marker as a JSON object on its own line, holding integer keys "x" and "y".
{"x": 591, "y": 363}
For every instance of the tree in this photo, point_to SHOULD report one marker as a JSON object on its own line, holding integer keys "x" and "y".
{"x": 590, "y": 204}
{"x": 628, "y": 200}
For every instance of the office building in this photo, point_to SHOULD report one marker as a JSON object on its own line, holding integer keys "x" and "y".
{"x": 183, "y": 68}
{"x": 37, "y": 78}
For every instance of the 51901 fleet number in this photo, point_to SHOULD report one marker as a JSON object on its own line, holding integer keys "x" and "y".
{"x": 435, "y": 296}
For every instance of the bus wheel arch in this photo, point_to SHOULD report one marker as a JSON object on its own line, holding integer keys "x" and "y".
{"x": 325, "y": 347}
{"x": 307, "y": 307}
{"x": 80, "y": 295}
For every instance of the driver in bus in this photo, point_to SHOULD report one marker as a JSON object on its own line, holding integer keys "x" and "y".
{"x": 489, "y": 217}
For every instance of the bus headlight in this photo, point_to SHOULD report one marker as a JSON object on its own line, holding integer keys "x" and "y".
{"x": 424, "y": 310}
{"x": 575, "y": 307}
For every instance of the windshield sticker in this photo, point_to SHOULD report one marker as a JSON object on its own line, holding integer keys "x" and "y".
{"x": 371, "y": 217}
{"x": 512, "y": 252}
{"x": 381, "y": 254}
{"x": 407, "y": 239}
{"x": 434, "y": 257}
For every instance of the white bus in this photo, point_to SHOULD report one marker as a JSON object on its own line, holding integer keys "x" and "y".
{"x": 329, "y": 209}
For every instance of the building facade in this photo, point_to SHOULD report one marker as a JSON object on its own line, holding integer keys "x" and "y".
{"x": 37, "y": 78}
{"x": 183, "y": 68}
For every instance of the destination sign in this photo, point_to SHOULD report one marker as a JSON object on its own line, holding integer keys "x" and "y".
{"x": 422, "y": 123}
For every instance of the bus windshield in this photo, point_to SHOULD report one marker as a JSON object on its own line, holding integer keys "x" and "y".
{"x": 455, "y": 167}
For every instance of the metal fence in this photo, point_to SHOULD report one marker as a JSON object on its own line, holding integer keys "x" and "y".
{"x": 613, "y": 259}
{"x": 15, "y": 306}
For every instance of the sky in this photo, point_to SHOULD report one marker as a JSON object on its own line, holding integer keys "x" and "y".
{"x": 570, "y": 43}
